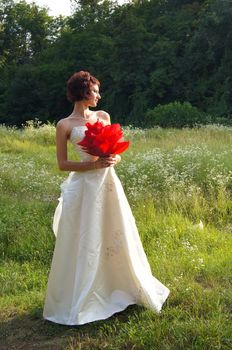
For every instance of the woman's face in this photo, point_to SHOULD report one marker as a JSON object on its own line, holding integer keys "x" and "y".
{"x": 94, "y": 95}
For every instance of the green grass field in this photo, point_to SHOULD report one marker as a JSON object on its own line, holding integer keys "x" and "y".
{"x": 179, "y": 185}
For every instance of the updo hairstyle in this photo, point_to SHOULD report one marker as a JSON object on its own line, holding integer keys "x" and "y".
{"x": 79, "y": 86}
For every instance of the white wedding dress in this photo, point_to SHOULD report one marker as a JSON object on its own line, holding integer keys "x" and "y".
{"x": 99, "y": 266}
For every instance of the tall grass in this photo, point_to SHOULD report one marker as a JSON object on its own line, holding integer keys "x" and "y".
{"x": 179, "y": 184}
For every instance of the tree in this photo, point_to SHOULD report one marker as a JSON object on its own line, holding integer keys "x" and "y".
{"x": 209, "y": 56}
{"x": 24, "y": 33}
{"x": 89, "y": 14}
{"x": 24, "y": 30}
{"x": 145, "y": 53}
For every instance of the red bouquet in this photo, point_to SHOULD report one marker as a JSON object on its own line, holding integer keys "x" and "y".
{"x": 103, "y": 140}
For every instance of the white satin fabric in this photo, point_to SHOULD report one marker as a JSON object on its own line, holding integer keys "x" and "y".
{"x": 99, "y": 266}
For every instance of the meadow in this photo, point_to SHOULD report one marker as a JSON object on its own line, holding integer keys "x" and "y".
{"x": 179, "y": 185}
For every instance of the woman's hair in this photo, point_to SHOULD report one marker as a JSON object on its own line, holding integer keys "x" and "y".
{"x": 79, "y": 85}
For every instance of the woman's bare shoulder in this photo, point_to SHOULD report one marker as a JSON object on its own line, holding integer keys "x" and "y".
{"x": 63, "y": 123}
{"x": 103, "y": 115}
{"x": 64, "y": 126}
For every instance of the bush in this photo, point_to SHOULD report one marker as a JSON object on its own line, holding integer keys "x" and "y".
{"x": 176, "y": 115}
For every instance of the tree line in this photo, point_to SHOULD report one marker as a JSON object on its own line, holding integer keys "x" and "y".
{"x": 145, "y": 53}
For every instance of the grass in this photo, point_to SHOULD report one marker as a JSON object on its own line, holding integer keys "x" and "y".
{"x": 179, "y": 184}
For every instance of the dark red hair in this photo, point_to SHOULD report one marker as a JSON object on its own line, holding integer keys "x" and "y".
{"x": 79, "y": 85}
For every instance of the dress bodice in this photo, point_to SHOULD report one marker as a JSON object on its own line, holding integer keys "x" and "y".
{"x": 76, "y": 135}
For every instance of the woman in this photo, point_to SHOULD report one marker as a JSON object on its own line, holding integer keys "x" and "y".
{"x": 99, "y": 266}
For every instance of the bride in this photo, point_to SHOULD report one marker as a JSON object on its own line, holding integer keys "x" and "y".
{"x": 99, "y": 266}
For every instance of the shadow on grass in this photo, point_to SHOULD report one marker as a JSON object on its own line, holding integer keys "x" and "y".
{"x": 30, "y": 331}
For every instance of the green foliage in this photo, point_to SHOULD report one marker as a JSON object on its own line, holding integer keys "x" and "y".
{"x": 175, "y": 115}
{"x": 145, "y": 53}
{"x": 37, "y": 88}
{"x": 24, "y": 31}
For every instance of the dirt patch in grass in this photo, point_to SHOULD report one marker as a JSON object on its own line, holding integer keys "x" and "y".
{"x": 26, "y": 333}
{"x": 31, "y": 332}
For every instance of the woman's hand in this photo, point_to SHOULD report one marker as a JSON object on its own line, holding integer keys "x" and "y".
{"x": 105, "y": 162}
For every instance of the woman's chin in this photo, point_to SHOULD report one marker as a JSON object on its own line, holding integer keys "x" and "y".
{"x": 93, "y": 104}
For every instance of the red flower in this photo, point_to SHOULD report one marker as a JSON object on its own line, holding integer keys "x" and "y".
{"x": 103, "y": 140}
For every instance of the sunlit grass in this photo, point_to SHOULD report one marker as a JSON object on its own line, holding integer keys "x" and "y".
{"x": 179, "y": 184}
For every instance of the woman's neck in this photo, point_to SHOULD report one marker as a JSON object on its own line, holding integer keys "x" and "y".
{"x": 80, "y": 110}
